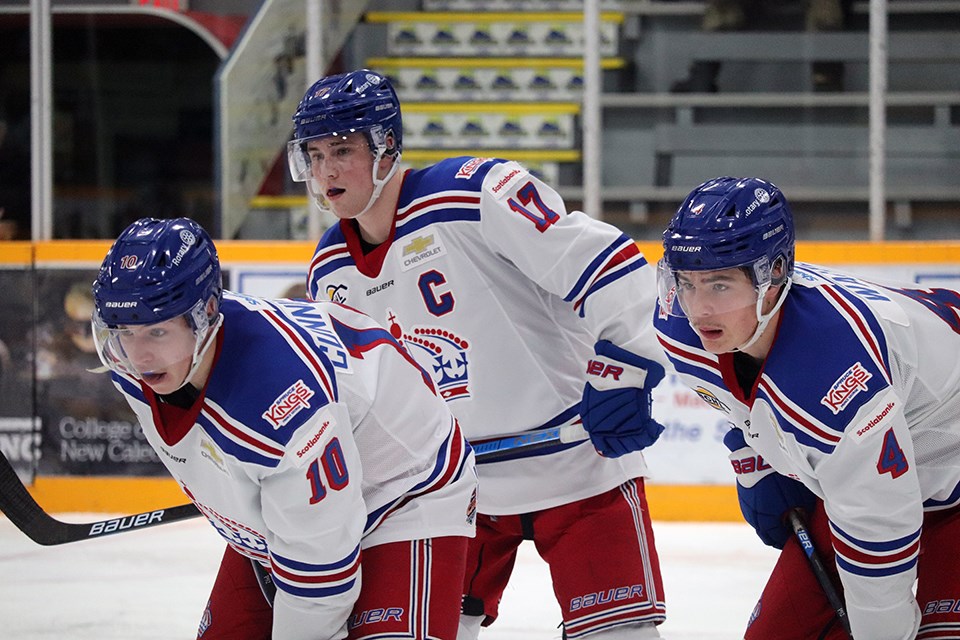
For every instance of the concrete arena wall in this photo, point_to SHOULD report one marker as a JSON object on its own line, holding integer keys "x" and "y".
{"x": 673, "y": 493}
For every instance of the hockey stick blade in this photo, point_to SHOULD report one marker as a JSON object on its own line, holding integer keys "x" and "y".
{"x": 28, "y": 516}
{"x": 492, "y": 450}
{"x": 816, "y": 564}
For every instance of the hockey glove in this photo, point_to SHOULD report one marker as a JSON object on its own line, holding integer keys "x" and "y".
{"x": 765, "y": 495}
{"x": 617, "y": 399}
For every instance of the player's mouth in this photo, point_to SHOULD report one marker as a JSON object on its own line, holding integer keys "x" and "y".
{"x": 334, "y": 192}
{"x": 154, "y": 378}
{"x": 709, "y": 333}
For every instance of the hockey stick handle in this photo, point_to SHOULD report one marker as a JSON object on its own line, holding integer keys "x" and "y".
{"x": 491, "y": 450}
{"x": 819, "y": 571}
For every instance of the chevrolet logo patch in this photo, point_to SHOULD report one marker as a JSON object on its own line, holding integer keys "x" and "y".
{"x": 418, "y": 245}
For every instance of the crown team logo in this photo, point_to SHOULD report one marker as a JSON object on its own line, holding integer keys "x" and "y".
{"x": 440, "y": 352}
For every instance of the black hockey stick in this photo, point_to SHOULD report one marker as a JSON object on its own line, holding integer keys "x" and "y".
{"x": 816, "y": 564}
{"x": 18, "y": 505}
{"x": 28, "y": 516}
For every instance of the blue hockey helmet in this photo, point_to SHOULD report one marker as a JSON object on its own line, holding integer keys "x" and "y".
{"x": 357, "y": 101}
{"x": 732, "y": 222}
{"x": 157, "y": 270}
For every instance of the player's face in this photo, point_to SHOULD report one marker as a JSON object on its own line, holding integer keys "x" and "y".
{"x": 720, "y": 305}
{"x": 160, "y": 353}
{"x": 342, "y": 168}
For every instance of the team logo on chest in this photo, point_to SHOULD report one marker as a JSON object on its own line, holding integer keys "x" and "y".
{"x": 289, "y": 404}
{"x": 440, "y": 352}
{"x": 853, "y": 381}
{"x": 421, "y": 249}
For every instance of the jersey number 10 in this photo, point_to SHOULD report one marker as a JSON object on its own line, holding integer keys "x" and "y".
{"x": 334, "y": 472}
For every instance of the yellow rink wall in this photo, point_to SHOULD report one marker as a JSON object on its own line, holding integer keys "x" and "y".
{"x": 666, "y": 502}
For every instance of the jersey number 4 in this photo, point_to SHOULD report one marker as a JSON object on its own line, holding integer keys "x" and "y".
{"x": 892, "y": 460}
{"x": 329, "y": 470}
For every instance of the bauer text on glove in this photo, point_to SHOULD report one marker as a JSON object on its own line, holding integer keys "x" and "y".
{"x": 765, "y": 495}
{"x": 616, "y": 405}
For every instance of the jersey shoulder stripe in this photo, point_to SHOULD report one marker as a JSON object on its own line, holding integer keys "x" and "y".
{"x": 875, "y": 559}
{"x": 315, "y": 580}
{"x": 438, "y": 207}
{"x": 691, "y": 360}
{"x": 794, "y": 419}
{"x": 237, "y": 439}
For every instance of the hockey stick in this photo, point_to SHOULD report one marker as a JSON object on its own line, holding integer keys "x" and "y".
{"x": 28, "y": 516}
{"x": 18, "y": 505}
{"x": 826, "y": 584}
{"x": 493, "y": 450}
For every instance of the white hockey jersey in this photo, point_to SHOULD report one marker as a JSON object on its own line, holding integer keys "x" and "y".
{"x": 859, "y": 399}
{"x": 317, "y": 436}
{"x": 501, "y": 294}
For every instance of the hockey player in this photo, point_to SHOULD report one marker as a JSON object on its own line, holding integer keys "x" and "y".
{"x": 844, "y": 400}
{"x": 511, "y": 303}
{"x": 306, "y": 435}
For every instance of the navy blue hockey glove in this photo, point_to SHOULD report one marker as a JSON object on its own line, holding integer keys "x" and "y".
{"x": 616, "y": 400}
{"x": 765, "y": 495}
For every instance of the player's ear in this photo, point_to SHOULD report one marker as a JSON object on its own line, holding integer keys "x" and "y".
{"x": 778, "y": 273}
{"x": 213, "y": 308}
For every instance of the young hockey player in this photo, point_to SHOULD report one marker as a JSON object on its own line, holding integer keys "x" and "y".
{"x": 512, "y": 303}
{"x": 306, "y": 435}
{"x": 844, "y": 399}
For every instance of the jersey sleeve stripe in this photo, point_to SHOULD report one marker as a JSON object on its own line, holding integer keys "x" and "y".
{"x": 315, "y": 580}
{"x": 613, "y": 254}
{"x": 295, "y": 340}
{"x": 887, "y": 546}
{"x": 625, "y": 268}
{"x": 875, "y": 559}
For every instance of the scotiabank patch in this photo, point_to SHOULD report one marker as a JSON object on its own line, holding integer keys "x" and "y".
{"x": 289, "y": 404}
{"x": 853, "y": 381}
{"x": 312, "y": 441}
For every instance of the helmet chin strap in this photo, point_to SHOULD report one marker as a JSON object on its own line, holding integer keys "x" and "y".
{"x": 763, "y": 319}
{"x": 200, "y": 350}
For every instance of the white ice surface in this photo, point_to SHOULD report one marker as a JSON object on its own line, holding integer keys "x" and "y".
{"x": 153, "y": 584}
